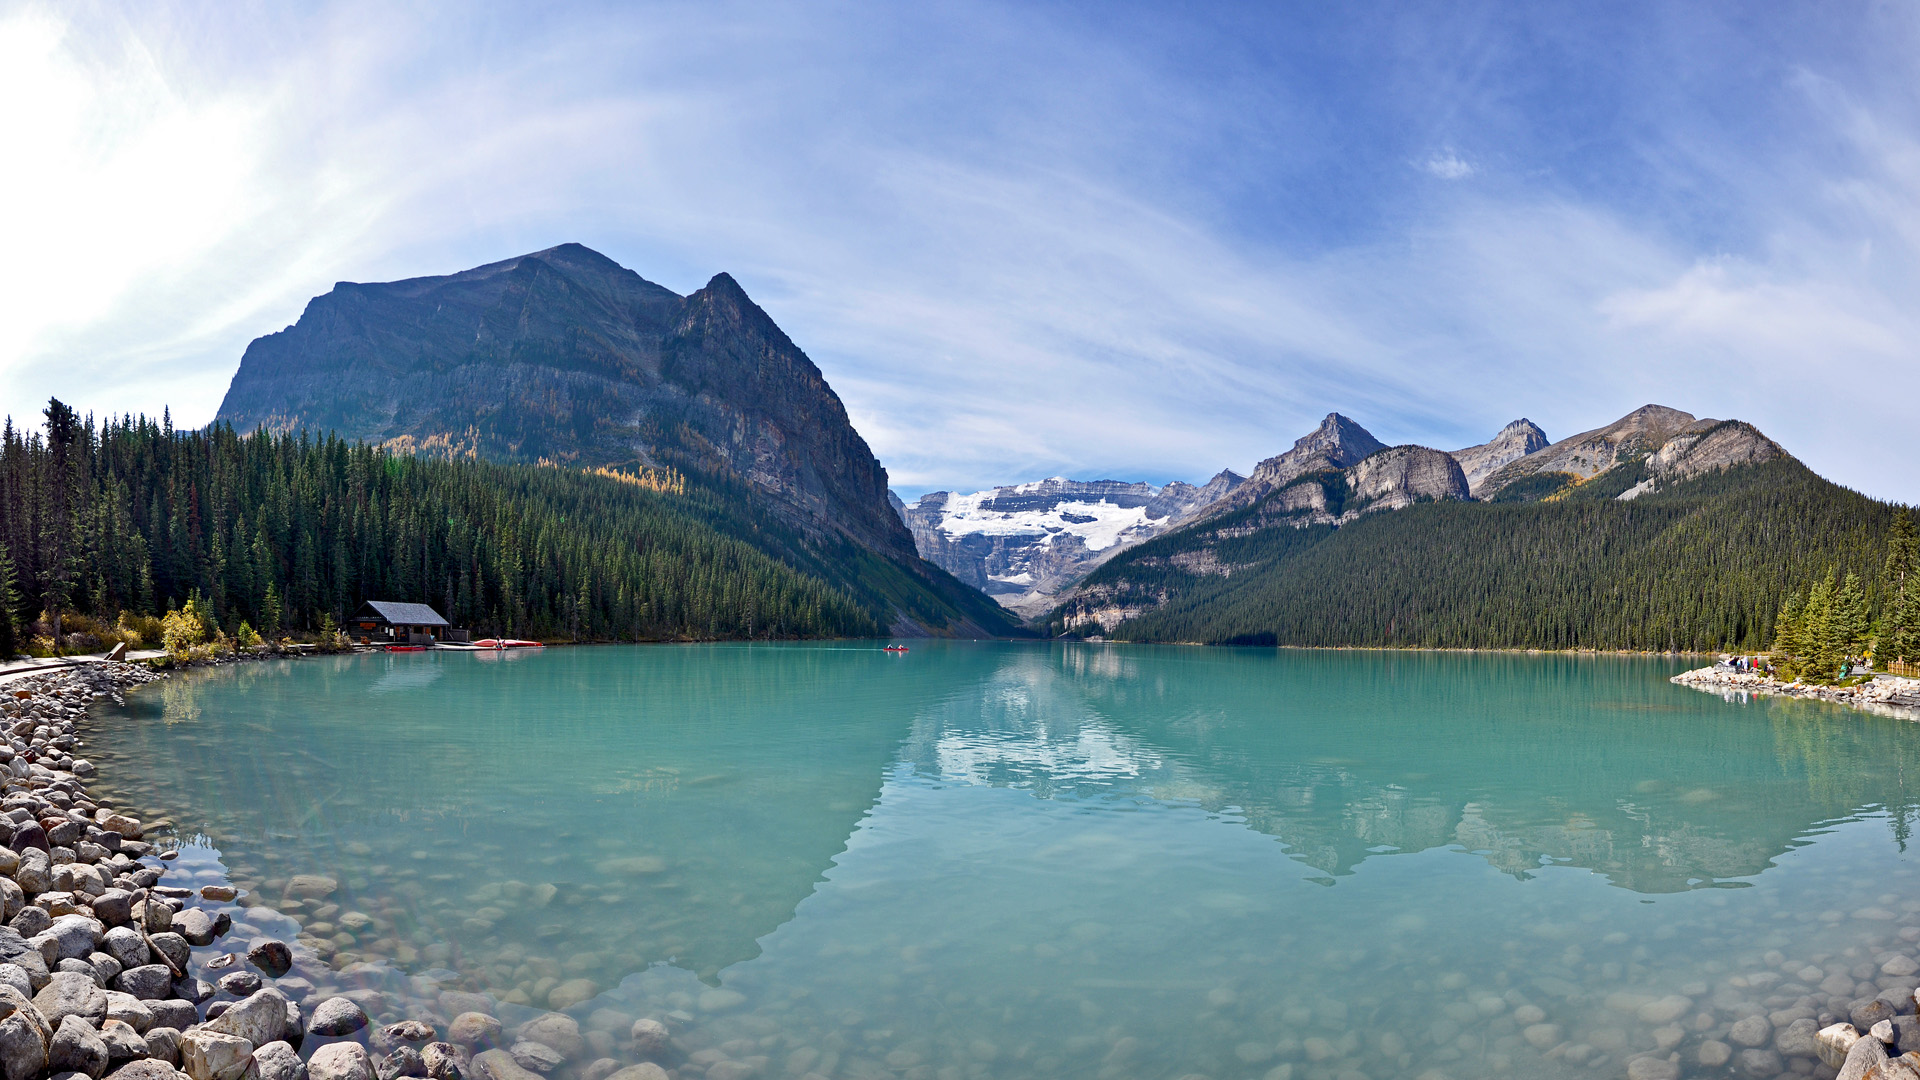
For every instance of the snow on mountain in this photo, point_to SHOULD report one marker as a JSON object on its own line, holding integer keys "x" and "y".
{"x": 1021, "y": 543}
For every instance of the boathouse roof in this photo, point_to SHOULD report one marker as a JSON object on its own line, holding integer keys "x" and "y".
{"x": 398, "y": 614}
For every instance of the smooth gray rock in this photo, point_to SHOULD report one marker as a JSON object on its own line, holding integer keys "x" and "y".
{"x": 23, "y": 1048}
{"x": 114, "y": 907}
{"x": 163, "y": 1043}
{"x": 650, "y": 1037}
{"x": 124, "y": 1044}
{"x": 410, "y": 1031}
{"x": 538, "y": 1057}
{"x": 16, "y": 976}
{"x": 105, "y": 968}
{"x": 340, "y": 1061}
{"x": 129, "y": 1010}
{"x": 31, "y": 921}
{"x": 195, "y": 925}
{"x": 259, "y": 1019}
{"x": 149, "y": 982}
{"x": 12, "y": 898}
{"x": 278, "y": 1061}
{"x": 1865, "y": 1014}
{"x": 499, "y": 1065}
{"x": 558, "y": 1031}
{"x": 210, "y": 1055}
{"x": 192, "y": 989}
{"x": 171, "y": 946}
{"x": 126, "y": 946}
{"x": 1867, "y": 1053}
{"x": 273, "y": 958}
{"x": 35, "y": 873}
{"x": 174, "y": 1013}
{"x": 404, "y": 1061}
{"x": 238, "y": 983}
{"x": 337, "y": 1016}
{"x": 36, "y": 968}
{"x": 70, "y": 993}
{"x": 78, "y": 936}
{"x": 144, "y": 1069}
{"x": 77, "y": 1047}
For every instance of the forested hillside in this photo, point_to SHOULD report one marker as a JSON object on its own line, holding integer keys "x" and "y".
{"x": 284, "y": 531}
{"x": 1703, "y": 564}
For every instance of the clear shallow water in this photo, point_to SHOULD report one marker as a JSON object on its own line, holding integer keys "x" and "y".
{"x": 1026, "y": 860}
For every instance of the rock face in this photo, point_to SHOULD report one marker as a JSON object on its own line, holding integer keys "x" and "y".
{"x": 1590, "y": 453}
{"x": 1336, "y": 444}
{"x": 565, "y": 356}
{"x": 1403, "y": 475}
{"x": 1021, "y": 543}
{"x": 1515, "y": 441}
{"x": 1703, "y": 448}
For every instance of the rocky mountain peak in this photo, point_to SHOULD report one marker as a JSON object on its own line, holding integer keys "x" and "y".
{"x": 1336, "y": 444}
{"x": 1515, "y": 441}
{"x": 565, "y": 356}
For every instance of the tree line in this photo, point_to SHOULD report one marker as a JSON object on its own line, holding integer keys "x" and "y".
{"x": 1705, "y": 565}
{"x": 1821, "y": 629}
{"x": 288, "y": 532}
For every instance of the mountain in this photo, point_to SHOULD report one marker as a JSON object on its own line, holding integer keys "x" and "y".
{"x": 1515, "y": 441}
{"x": 565, "y": 358}
{"x": 1022, "y": 543}
{"x": 1337, "y": 443}
{"x": 1658, "y": 531}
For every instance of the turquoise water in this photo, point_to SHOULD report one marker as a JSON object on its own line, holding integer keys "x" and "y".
{"x": 1030, "y": 860}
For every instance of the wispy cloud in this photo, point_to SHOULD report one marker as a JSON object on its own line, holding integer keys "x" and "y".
{"x": 1019, "y": 240}
{"x": 1447, "y": 165}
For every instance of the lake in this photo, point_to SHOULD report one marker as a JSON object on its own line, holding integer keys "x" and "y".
{"x": 1033, "y": 860}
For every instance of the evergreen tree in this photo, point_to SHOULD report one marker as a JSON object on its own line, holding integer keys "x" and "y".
{"x": 9, "y": 607}
{"x": 1900, "y": 627}
{"x": 1850, "y": 623}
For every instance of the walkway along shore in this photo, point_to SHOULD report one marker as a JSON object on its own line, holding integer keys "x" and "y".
{"x": 1885, "y": 695}
{"x": 107, "y": 972}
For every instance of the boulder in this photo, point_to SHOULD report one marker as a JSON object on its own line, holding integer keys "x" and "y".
{"x": 273, "y": 958}
{"x": 340, "y": 1061}
{"x": 556, "y": 1030}
{"x": 474, "y": 1029}
{"x": 650, "y": 1037}
{"x": 172, "y": 947}
{"x": 195, "y": 925}
{"x": 442, "y": 1061}
{"x": 126, "y": 946}
{"x": 69, "y": 993}
{"x": 646, "y": 1070}
{"x": 174, "y": 1013}
{"x": 114, "y": 907}
{"x": 77, "y": 1047}
{"x": 23, "y": 1047}
{"x": 259, "y": 1019}
{"x": 129, "y": 1010}
{"x": 144, "y": 1069}
{"x": 211, "y": 1055}
{"x": 404, "y": 1061}
{"x": 336, "y": 1016}
{"x": 499, "y": 1065}
{"x": 278, "y": 1061}
{"x": 536, "y": 1057}
{"x": 124, "y": 1044}
{"x": 163, "y": 1043}
{"x": 149, "y": 982}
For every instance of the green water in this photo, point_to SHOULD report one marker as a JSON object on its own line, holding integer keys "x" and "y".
{"x": 1027, "y": 860}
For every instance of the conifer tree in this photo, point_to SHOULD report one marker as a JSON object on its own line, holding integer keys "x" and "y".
{"x": 1850, "y": 625}
{"x": 9, "y": 607}
{"x": 1900, "y": 626}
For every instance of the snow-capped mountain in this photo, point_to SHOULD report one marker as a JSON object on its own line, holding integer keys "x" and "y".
{"x": 1022, "y": 543}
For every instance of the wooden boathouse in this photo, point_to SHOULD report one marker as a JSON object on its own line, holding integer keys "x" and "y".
{"x": 382, "y": 622}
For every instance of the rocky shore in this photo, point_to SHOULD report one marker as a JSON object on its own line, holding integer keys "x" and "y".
{"x": 1886, "y": 695}
{"x": 109, "y": 970}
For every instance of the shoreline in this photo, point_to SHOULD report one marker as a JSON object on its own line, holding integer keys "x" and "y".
{"x": 107, "y": 972}
{"x": 1883, "y": 695}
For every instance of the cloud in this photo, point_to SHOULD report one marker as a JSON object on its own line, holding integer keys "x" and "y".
{"x": 1018, "y": 241}
{"x": 1447, "y": 165}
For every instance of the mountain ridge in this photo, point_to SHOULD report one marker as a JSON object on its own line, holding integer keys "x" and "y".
{"x": 564, "y": 357}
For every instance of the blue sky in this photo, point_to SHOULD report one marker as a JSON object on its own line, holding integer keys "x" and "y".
{"x": 1140, "y": 241}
